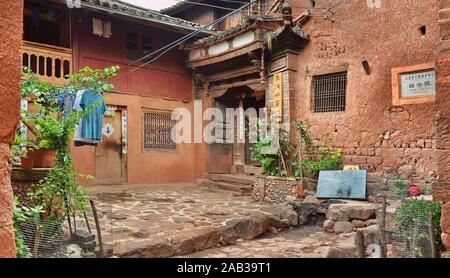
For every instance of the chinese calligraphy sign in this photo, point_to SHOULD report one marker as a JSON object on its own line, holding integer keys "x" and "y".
{"x": 413, "y": 84}
{"x": 278, "y": 95}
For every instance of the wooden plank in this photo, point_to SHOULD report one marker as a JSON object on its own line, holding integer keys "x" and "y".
{"x": 226, "y": 55}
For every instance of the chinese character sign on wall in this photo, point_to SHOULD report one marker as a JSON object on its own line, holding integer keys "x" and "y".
{"x": 278, "y": 95}
{"x": 415, "y": 84}
{"x": 418, "y": 84}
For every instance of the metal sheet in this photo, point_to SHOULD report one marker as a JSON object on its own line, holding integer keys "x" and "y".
{"x": 342, "y": 184}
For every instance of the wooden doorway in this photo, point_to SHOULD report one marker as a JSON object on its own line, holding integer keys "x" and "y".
{"x": 110, "y": 153}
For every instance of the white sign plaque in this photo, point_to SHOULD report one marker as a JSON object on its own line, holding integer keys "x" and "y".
{"x": 418, "y": 84}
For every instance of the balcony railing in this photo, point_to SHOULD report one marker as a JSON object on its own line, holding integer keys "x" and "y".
{"x": 50, "y": 63}
{"x": 257, "y": 8}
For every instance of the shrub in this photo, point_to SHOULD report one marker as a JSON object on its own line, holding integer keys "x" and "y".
{"x": 411, "y": 224}
{"x": 401, "y": 188}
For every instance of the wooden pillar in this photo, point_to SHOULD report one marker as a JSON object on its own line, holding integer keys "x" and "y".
{"x": 239, "y": 144}
{"x": 11, "y": 16}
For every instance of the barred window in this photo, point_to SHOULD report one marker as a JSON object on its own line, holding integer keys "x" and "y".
{"x": 157, "y": 131}
{"x": 329, "y": 92}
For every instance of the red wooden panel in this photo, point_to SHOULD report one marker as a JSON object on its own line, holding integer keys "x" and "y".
{"x": 114, "y": 47}
{"x": 160, "y": 83}
{"x": 181, "y": 86}
{"x": 90, "y": 44}
{"x": 120, "y": 82}
{"x": 140, "y": 81}
{"x": 92, "y": 63}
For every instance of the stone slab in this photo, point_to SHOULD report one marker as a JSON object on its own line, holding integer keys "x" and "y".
{"x": 342, "y": 184}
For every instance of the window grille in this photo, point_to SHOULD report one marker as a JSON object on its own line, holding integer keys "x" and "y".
{"x": 157, "y": 131}
{"x": 329, "y": 92}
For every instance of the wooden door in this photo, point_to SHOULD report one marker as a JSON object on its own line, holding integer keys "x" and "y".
{"x": 109, "y": 153}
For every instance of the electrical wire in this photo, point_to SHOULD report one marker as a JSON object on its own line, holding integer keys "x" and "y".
{"x": 185, "y": 38}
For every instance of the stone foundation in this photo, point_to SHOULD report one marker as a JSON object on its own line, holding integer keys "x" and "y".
{"x": 275, "y": 189}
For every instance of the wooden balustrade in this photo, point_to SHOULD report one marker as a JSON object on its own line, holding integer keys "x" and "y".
{"x": 50, "y": 63}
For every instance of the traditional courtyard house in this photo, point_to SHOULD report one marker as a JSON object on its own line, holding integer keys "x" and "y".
{"x": 342, "y": 67}
{"x": 136, "y": 146}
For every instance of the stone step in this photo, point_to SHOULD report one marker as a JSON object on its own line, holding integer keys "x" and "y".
{"x": 243, "y": 189}
{"x": 253, "y": 170}
{"x": 234, "y": 179}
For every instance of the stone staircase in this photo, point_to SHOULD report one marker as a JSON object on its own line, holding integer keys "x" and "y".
{"x": 242, "y": 184}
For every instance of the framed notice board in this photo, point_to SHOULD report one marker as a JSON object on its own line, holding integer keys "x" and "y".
{"x": 414, "y": 84}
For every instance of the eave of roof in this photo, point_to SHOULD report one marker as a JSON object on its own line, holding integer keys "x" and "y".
{"x": 232, "y": 31}
{"x": 133, "y": 11}
{"x": 178, "y": 7}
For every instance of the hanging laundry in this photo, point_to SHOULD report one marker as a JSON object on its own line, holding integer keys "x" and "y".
{"x": 97, "y": 27}
{"x": 93, "y": 122}
{"x": 79, "y": 141}
{"x": 107, "y": 31}
{"x": 68, "y": 102}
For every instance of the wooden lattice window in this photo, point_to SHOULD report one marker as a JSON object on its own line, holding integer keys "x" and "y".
{"x": 157, "y": 131}
{"x": 329, "y": 92}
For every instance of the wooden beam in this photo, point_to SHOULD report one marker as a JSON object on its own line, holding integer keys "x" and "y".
{"x": 232, "y": 73}
{"x": 226, "y": 55}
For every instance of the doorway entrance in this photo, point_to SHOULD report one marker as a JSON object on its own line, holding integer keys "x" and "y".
{"x": 237, "y": 155}
{"x": 110, "y": 153}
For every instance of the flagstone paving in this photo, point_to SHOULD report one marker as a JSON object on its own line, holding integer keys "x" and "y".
{"x": 135, "y": 214}
{"x": 302, "y": 242}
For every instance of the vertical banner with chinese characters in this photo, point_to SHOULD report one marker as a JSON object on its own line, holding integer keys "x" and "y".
{"x": 278, "y": 96}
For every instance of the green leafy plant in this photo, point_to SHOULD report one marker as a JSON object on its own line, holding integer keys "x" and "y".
{"x": 274, "y": 160}
{"x": 412, "y": 222}
{"x": 20, "y": 215}
{"x": 314, "y": 158}
{"x": 326, "y": 159}
{"x": 401, "y": 188}
{"x": 20, "y": 144}
{"x": 59, "y": 192}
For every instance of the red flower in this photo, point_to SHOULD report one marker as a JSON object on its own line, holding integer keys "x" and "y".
{"x": 414, "y": 190}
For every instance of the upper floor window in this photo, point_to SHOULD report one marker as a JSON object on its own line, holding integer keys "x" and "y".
{"x": 330, "y": 92}
{"x": 138, "y": 46}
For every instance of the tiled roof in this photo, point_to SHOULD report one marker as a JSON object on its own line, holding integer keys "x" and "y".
{"x": 127, "y": 9}
{"x": 177, "y": 6}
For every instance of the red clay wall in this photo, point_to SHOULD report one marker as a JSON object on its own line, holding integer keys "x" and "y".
{"x": 10, "y": 42}
{"x": 147, "y": 167}
{"x": 371, "y": 131}
{"x": 163, "y": 85}
{"x": 441, "y": 190}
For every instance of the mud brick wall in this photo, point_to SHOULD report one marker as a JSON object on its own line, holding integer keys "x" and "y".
{"x": 372, "y": 132}
{"x": 441, "y": 190}
{"x": 11, "y": 14}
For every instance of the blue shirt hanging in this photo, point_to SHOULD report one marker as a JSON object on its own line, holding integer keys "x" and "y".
{"x": 91, "y": 126}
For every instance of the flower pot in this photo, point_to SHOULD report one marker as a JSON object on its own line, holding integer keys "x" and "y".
{"x": 26, "y": 163}
{"x": 43, "y": 158}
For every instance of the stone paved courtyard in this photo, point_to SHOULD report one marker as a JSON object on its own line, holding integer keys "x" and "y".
{"x": 131, "y": 216}
{"x": 303, "y": 242}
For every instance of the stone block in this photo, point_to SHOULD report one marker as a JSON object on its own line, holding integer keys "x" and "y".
{"x": 83, "y": 236}
{"x": 343, "y": 227}
{"x": 328, "y": 226}
{"x": 344, "y": 251}
{"x": 152, "y": 248}
{"x": 195, "y": 240}
{"x": 445, "y": 218}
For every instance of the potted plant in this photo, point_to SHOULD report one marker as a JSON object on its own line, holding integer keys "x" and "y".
{"x": 21, "y": 148}
{"x": 48, "y": 129}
